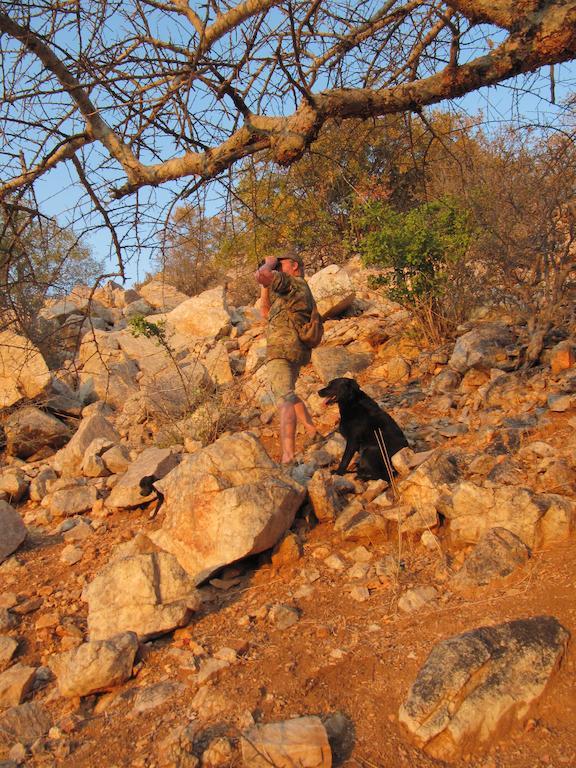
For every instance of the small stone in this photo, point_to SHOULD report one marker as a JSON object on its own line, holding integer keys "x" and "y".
{"x": 335, "y": 563}
{"x": 414, "y": 599}
{"x": 359, "y": 571}
{"x": 226, "y": 654}
{"x": 430, "y": 541}
{"x": 7, "y": 620}
{"x": 283, "y": 616}
{"x": 17, "y": 753}
{"x": 8, "y": 646}
{"x": 218, "y": 754}
{"x": 210, "y": 669}
{"x": 71, "y": 555}
{"x": 78, "y": 532}
{"x": 15, "y": 684}
{"x": 360, "y": 594}
{"x": 360, "y": 555}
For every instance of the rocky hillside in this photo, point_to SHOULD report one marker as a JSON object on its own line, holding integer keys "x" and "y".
{"x": 230, "y": 614}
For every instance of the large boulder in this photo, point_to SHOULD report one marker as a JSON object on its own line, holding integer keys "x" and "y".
{"x": 161, "y": 295}
{"x": 12, "y": 528}
{"x": 225, "y": 502}
{"x": 29, "y": 429}
{"x": 475, "y": 686}
{"x": 68, "y": 461}
{"x": 537, "y": 519}
{"x": 23, "y": 370}
{"x": 152, "y": 461}
{"x": 491, "y": 345}
{"x": 332, "y": 289}
{"x": 148, "y": 594}
{"x": 95, "y": 666}
{"x": 202, "y": 315}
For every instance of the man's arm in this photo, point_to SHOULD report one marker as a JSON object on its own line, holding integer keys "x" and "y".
{"x": 265, "y": 300}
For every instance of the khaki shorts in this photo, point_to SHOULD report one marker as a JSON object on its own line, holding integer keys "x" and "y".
{"x": 282, "y": 376}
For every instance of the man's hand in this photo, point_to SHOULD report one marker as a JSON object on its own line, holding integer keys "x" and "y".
{"x": 264, "y": 275}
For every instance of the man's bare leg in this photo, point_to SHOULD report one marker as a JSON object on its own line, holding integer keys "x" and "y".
{"x": 304, "y": 418}
{"x": 287, "y": 414}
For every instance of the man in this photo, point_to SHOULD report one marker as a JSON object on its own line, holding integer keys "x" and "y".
{"x": 286, "y": 300}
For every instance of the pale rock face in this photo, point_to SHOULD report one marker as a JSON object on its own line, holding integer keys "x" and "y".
{"x": 488, "y": 346}
{"x": 333, "y": 362}
{"x": 475, "y": 686}
{"x": 68, "y": 460}
{"x": 298, "y": 743}
{"x": 30, "y": 429}
{"x": 72, "y": 501}
{"x": 225, "y": 502}
{"x": 323, "y": 496}
{"x": 202, "y": 315}
{"x": 95, "y": 666}
{"x": 536, "y": 519}
{"x": 162, "y": 296}
{"x": 23, "y": 370}
{"x": 148, "y": 594}
{"x": 152, "y": 461}
{"x": 13, "y": 530}
{"x": 332, "y": 289}
{"x": 497, "y": 554}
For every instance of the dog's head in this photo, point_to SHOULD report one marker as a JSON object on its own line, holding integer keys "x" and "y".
{"x": 340, "y": 390}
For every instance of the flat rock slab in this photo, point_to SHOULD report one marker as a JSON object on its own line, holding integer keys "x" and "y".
{"x": 95, "y": 666}
{"x": 15, "y": 683}
{"x": 298, "y": 743}
{"x": 152, "y": 461}
{"x": 473, "y": 687}
{"x": 24, "y": 724}
{"x": 148, "y": 594}
{"x": 12, "y": 528}
{"x": 497, "y": 555}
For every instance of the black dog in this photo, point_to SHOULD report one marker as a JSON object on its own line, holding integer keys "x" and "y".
{"x": 147, "y": 488}
{"x": 360, "y": 417}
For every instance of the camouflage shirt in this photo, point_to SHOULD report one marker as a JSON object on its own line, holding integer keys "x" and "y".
{"x": 291, "y": 303}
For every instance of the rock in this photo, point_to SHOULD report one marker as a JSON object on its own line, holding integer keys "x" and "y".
{"x": 138, "y": 307}
{"x": 73, "y": 501}
{"x": 7, "y": 620}
{"x": 68, "y": 460}
{"x": 148, "y": 594}
{"x": 162, "y": 296}
{"x": 39, "y": 484}
{"x": 218, "y": 364}
{"x": 425, "y": 488}
{"x": 93, "y": 464}
{"x": 13, "y": 486}
{"x": 226, "y": 501}
{"x": 13, "y": 530}
{"x": 475, "y": 686}
{"x": 289, "y": 744}
{"x": 23, "y": 370}
{"x": 559, "y": 402}
{"x": 446, "y": 381}
{"x": 116, "y": 459}
{"x": 153, "y": 461}
{"x": 218, "y": 754}
{"x": 497, "y": 554}
{"x": 211, "y": 669}
{"x": 405, "y": 460}
{"x": 490, "y": 345}
{"x": 537, "y": 519}
{"x": 156, "y": 695}
{"x": 26, "y": 724}
{"x": 562, "y": 357}
{"x": 332, "y": 289}
{"x": 414, "y": 599}
{"x": 71, "y": 555}
{"x": 95, "y": 666}
{"x": 29, "y": 429}
{"x": 203, "y": 315}
{"x": 323, "y": 496}
{"x": 8, "y": 646}
{"x": 283, "y": 616}
{"x": 333, "y": 362}
{"x": 15, "y": 683}
{"x": 287, "y": 551}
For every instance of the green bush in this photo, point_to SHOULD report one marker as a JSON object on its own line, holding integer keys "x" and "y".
{"x": 418, "y": 251}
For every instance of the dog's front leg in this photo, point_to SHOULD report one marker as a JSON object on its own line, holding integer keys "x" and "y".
{"x": 349, "y": 451}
